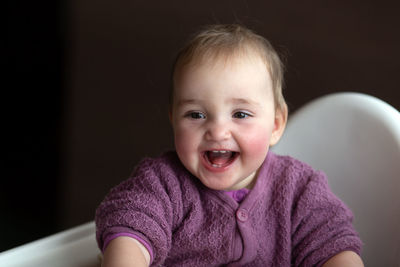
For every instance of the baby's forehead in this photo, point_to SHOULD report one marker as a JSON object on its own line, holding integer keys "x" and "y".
{"x": 238, "y": 76}
{"x": 221, "y": 58}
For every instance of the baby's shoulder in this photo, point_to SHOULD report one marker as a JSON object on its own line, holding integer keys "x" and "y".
{"x": 167, "y": 161}
{"x": 165, "y": 170}
{"x": 167, "y": 165}
{"x": 292, "y": 171}
{"x": 291, "y": 165}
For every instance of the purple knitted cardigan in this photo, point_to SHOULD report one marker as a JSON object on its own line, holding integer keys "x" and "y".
{"x": 290, "y": 217}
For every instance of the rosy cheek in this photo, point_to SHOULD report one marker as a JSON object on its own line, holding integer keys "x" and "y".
{"x": 257, "y": 143}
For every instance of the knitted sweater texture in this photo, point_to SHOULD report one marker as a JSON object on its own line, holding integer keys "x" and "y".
{"x": 289, "y": 218}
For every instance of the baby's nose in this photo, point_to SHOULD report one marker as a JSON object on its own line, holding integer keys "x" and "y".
{"x": 217, "y": 131}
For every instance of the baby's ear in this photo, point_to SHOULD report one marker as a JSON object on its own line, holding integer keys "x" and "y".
{"x": 279, "y": 124}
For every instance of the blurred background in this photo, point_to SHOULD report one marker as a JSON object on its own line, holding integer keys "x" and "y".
{"x": 85, "y": 95}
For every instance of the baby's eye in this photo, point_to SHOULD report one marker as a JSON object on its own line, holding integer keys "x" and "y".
{"x": 196, "y": 115}
{"x": 241, "y": 115}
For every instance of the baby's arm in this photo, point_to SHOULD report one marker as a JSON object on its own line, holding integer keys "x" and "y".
{"x": 323, "y": 230}
{"x": 144, "y": 207}
{"x": 345, "y": 259}
{"x": 125, "y": 251}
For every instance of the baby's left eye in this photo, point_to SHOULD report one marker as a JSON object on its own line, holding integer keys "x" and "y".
{"x": 241, "y": 115}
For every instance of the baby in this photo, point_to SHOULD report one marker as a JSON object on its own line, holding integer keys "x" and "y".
{"x": 222, "y": 198}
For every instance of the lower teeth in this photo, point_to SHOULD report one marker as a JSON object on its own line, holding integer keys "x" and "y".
{"x": 216, "y": 165}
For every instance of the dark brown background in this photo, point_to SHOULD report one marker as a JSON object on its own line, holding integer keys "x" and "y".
{"x": 88, "y": 86}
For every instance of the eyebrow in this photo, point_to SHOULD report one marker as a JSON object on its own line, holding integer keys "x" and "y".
{"x": 231, "y": 100}
{"x": 243, "y": 101}
{"x": 187, "y": 102}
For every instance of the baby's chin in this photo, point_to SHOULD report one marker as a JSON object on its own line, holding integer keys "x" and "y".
{"x": 225, "y": 184}
{"x": 218, "y": 187}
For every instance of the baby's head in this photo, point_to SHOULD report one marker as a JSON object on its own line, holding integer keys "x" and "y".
{"x": 229, "y": 41}
{"x": 227, "y": 106}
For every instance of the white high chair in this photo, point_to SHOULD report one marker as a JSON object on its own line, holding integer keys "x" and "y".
{"x": 355, "y": 139}
{"x": 75, "y": 247}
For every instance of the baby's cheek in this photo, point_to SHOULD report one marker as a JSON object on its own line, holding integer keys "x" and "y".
{"x": 186, "y": 145}
{"x": 258, "y": 143}
{"x": 183, "y": 145}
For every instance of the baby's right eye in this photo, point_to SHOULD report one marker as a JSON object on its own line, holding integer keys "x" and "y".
{"x": 195, "y": 115}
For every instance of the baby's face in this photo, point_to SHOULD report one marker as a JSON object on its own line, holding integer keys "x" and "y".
{"x": 224, "y": 121}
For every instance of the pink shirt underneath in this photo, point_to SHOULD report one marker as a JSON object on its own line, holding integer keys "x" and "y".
{"x": 238, "y": 195}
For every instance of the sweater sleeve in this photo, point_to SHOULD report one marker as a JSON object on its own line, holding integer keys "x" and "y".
{"x": 322, "y": 225}
{"x": 141, "y": 205}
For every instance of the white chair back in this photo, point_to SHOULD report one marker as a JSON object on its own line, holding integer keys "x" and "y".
{"x": 355, "y": 139}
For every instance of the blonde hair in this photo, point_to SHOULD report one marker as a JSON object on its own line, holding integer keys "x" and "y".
{"x": 225, "y": 40}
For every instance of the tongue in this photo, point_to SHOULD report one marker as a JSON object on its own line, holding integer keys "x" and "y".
{"x": 219, "y": 158}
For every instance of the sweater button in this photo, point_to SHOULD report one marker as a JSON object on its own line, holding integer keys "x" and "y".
{"x": 242, "y": 215}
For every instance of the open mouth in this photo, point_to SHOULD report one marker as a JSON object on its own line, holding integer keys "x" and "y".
{"x": 220, "y": 158}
